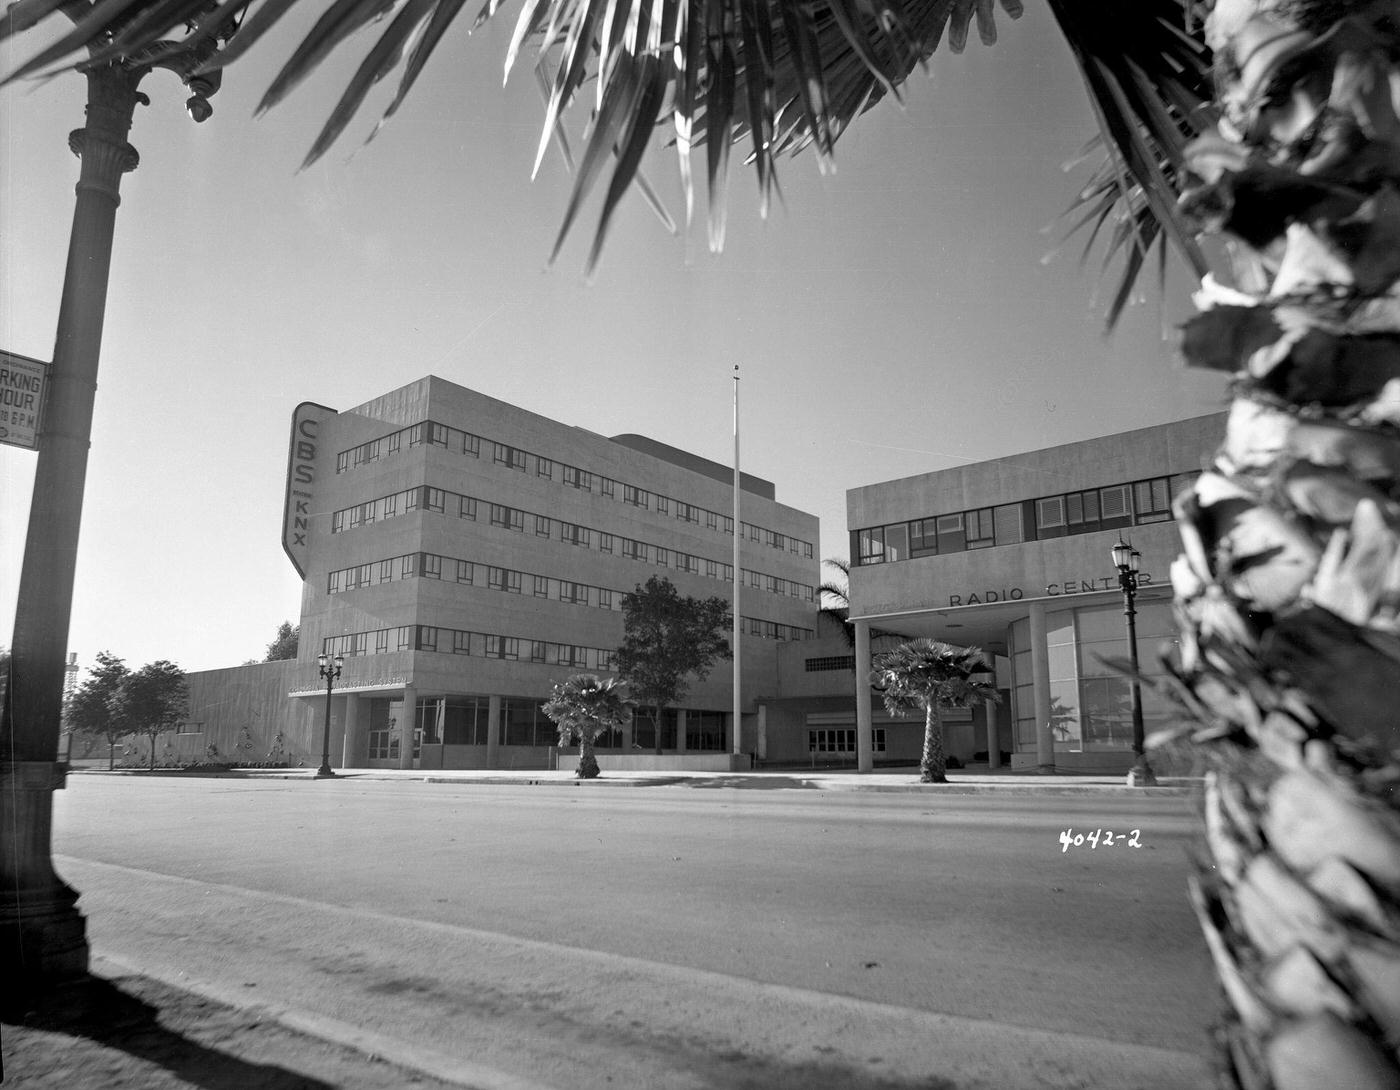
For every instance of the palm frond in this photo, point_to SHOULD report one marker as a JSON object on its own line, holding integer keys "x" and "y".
{"x": 779, "y": 75}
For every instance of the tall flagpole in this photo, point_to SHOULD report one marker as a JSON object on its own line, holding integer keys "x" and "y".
{"x": 738, "y": 534}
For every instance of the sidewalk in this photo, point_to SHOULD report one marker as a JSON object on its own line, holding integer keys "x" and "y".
{"x": 969, "y": 781}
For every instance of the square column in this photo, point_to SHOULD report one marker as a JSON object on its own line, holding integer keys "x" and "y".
{"x": 865, "y": 741}
{"x": 680, "y": 730}
{"x": 493, "y": 731}
{"x": 1040, "y": 678}
{"x": 406, "y": 728}
{"x": 352, "y": 746}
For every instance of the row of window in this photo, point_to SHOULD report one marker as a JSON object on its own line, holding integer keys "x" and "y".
{"x": 842, "y": 740}
{"x": 1082, "y": 512}
{"x": 453, "y": 641}
{"x": 466, "y": 721}
{"x": 503, "y": 454}
{"x": 432, "y": 566}
{"x": 829, "y": 662}
{"x": 440, "y": 501}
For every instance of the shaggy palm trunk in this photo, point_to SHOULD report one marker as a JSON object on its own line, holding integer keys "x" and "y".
{"x": 1288, "y": 591}
{"x": 933, "y": 768}
{"x": 587, "y": 762}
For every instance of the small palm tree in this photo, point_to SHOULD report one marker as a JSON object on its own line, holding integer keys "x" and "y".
{"x": 834, "y": 595}
{"x": 584, "y": 707}
{"x": 930, "y": 675}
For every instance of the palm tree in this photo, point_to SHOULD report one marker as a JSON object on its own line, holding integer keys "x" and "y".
{"x": 930, "y": 675}
{"x": 834, "y": 597}
{"x": 1276, "y": 119}
{"x": 583, "y": 707}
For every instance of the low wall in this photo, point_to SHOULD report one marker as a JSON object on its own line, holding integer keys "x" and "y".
{"x": 567, "y": 759}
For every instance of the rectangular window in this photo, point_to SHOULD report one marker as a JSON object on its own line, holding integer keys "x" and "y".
{"x": 427, "y": 638}
{"x": 541, "y": 526}
{"x": 410, "y": 499}
{"x": 1116, "y": 505}
{"x": 466, "y": 508}
{"x": 415, "y": 435}
{"x": 390, "y": 506}
{"x": 605, "y": 659}
{"x": 981, "y": 529}
{"x": 1152, "y": 500}
{"x": 663, "y": 556}
{"x": 871, "y": 545}
{"x": 507, "y": 517}
{"x": 897, "y": 542}
{"x": 461, "y": 643}
{"x": 408, "y": 565}
{"x": 437, "y": 434}
{"x": 1050, "y": 517}
{"x": 1006, "y": 524}
{"x": 544, "y": 468}
{"x": 337, "y": 522}
{"x": 434, "y": 499}
{"x": 712, "y": 568}
{"x": 431, "y": 566}
{"x": 727, "y": 522}
{"x": 381, "y": 642}
{"x": 633, "y": 550}
{"x": 605, "y": 598}
{"x": 464, "y": 571}
{"x": 541, "y": 586}
{"x": 711, "y": 520}
{"x": 605, "y": 543}
{"x": 394, "y": 443}
{"x": 386, "y": 571}
{"x": 607, "y": 485}
{"x": 663, "y": 505}
{"x": 471, "y": 444}
{"x": 342, "y": 461}
{"x": 637, "y": 497}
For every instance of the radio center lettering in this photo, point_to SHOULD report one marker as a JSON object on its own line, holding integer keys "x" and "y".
{"x": 1052, "y": 590}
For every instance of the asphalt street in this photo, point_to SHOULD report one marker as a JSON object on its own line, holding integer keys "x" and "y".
{"x": 568, "y": 936}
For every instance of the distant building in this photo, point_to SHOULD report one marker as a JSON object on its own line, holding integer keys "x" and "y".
{"x": 1013, "y": 555}
{"x": 463, "y": 554}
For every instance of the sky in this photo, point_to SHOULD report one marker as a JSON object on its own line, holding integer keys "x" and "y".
{"x": 897, "y": 316}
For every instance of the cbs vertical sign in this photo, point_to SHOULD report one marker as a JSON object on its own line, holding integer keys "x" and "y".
{"x": 304, "y": 460}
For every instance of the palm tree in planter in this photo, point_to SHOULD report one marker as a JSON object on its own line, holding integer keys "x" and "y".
{"x": 584, "y": 707}
{"x": 929, "y": 675}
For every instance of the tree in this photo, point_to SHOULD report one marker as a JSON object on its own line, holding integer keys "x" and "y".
{"x": 930, "y": 675}
{"x": 667, "y": 639}
{"x": 834, "y": 594}
{"x": 284, "y": 646}
{"x": 584, "y": 707}
{"x": 1287, "y": 591}
{"x": 155, "y": 699}
{"x": 96, "y": 707}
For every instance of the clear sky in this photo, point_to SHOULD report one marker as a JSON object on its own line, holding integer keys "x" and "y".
{"x": 892, "y": 318}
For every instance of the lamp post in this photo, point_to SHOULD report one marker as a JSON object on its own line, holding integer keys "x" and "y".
{"x": 1126, "y": 559}
{"x": 330, "y": 670}
{"x": 43, "y": 940}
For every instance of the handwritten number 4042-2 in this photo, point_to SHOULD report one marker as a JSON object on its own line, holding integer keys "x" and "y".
{"x": 1109, "y": 839}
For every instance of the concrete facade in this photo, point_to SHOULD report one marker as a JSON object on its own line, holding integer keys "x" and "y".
{"x": 463, "y": 554}
{"x": 1014, "y": 556}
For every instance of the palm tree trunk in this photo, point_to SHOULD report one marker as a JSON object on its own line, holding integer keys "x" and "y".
{"x": 1288, "y": 592}
{"x": 587, "y": 762}
{"x": 933, "y": 768}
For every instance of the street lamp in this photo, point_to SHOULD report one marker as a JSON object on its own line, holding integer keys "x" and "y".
{"x": 1125, "y": 559}
{"x": 330, "y": 670}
